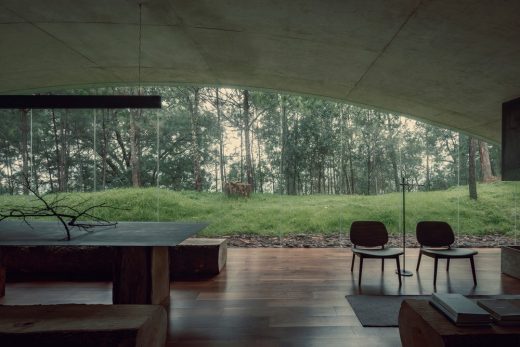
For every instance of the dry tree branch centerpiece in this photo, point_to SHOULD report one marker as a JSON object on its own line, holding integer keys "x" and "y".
{"x": 68, "y": 215}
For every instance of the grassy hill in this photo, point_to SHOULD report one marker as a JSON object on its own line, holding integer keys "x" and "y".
{"x": 266, "y": 214}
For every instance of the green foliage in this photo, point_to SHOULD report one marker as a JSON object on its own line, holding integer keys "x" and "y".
{"x": 268, "y": 214}
{"x": 290, "y": 145}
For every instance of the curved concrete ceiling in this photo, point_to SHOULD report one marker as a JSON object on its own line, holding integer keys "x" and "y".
{"x": 449, "y": 62}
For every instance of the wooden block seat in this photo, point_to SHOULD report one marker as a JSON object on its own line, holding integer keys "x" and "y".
{"x": 198, "y": 257}
{"x": 509, "y": 261}
{"x": 83, "y": 325}
{"x": 420, "y": 324}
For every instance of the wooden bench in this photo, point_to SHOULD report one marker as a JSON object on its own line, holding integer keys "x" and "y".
{"x": 198, "y": 257}
{"x": 83, "y": 325}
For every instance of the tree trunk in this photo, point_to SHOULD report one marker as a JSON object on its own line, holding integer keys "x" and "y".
{"x": 369, "y": 170}
{"x": 62, "y": 184}
{"x": 10, "y": 178}
{"x": 259, "y": 166}
{"x": 49, "y": 169}
{"x": 195, "y": 152}
{"x": 288, "y": 173}
{"x": 134, "y": 149}
{"x": 247, "y": 138}
{"x": 485, "y": 163}
{"x": 221, "y": 144}
{"x": 472, "y": 179}
{"x": 216, "y": 177}
{"x": 395, "y": 169}
{"x": 342, "y": 170}
{"x": 24, "y": 130}
{"x": 77, "y": 133}
{"x": 241, "y": 155}
{"x": 351, "y": 168}
{"x": 121, "y": 143}
{"x": 104, "y": 151}
{"x": 428, "y": 171}
{"x": 56, "y": 150}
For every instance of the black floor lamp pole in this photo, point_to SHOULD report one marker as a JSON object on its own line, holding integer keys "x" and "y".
{"x": 404, "y": 272}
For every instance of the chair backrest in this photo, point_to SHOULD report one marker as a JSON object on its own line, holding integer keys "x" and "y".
{"x": 368, "y": 234}
{"x": 434, "y": 234}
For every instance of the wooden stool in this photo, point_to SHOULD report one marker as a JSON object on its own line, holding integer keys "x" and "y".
{"x": 198, "y": 257}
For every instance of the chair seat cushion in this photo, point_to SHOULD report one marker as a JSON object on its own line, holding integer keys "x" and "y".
{"x": 378, "y": 253}
{"x": 449, "y": 253}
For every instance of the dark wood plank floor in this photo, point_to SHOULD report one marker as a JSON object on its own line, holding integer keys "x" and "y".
{"x": 284, "y": 297}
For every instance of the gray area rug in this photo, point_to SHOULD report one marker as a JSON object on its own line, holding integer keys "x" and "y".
{"x": 383, "y": 310}
{"x": 379, "y": 310}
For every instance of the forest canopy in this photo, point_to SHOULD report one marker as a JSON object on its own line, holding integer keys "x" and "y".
{"x": 203, "y": 137}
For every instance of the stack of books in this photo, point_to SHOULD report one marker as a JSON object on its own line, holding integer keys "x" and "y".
{"x": 503, "y": 311}
{"x": 460, "y": 310}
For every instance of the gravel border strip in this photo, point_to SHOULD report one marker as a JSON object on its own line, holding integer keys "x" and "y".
{"x": 337, "y": 241}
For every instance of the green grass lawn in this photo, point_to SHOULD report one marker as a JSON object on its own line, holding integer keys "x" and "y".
{"x": 267, "y": 214}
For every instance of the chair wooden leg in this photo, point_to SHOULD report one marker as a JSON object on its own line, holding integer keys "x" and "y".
{"x": 382, "y": 264}
{"x": 435, "y": 272}
{"x": 398, "y": 269}
{"x": 360, "y": 270}
{"x": 473, "y": 270}
{"x": 353, "y": 260}
{"x": 448, "y": 264}
{"x": 418, "y": 261}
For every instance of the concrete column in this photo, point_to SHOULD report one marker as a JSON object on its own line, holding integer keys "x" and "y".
{"x": 511, "y": 140}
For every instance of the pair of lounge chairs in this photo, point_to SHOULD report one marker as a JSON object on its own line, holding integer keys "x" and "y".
{"x": 435, "y": 239}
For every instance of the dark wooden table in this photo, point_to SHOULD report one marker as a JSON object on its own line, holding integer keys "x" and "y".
{"x": 141, "y": 264}
{"x": 421, "y": 324}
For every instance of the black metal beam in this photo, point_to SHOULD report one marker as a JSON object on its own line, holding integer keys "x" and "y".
{"x": 79, "y": 101}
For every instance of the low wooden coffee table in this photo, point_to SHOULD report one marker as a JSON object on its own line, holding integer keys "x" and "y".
{"x": 420, "y": 324}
